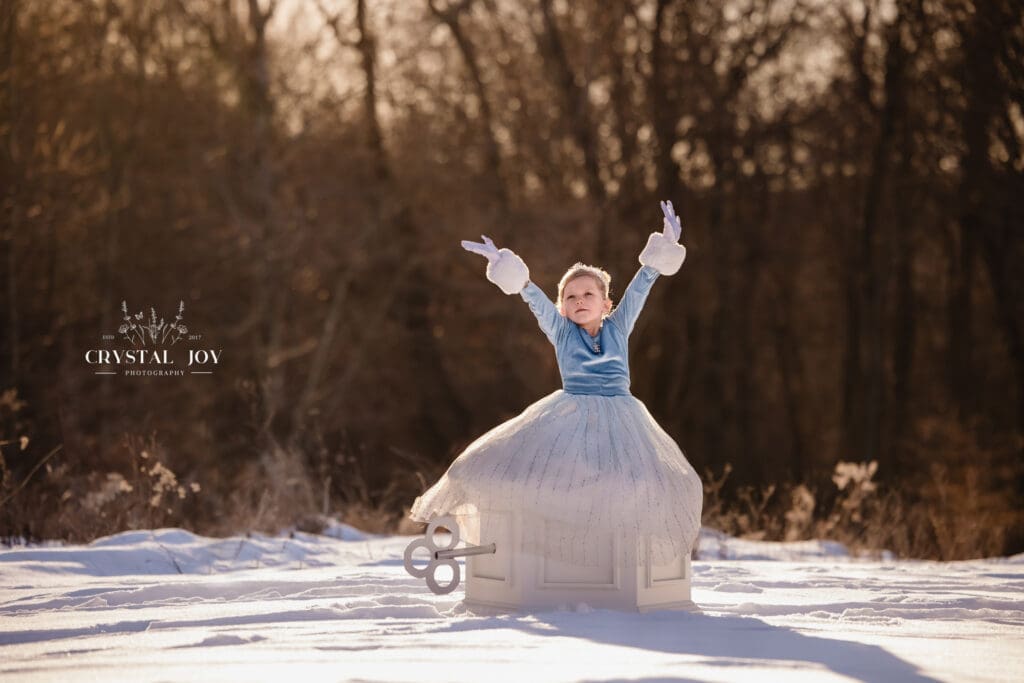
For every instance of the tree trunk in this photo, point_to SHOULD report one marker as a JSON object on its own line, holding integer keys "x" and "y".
{"x": 996, "y": 252}
{"x": 440, "y": 410}
{"x": 575, "y": 99}
{"x": 873, "y": 254}
{"x": 787, "y": 354}
{"x": 980, "y": 86}
{"x": 450, "y": 18}
{"x": 721, "y": 422}
{"x": 577, "y": 118}
{"x": 852, "y": 378}
{"x": 9, "y": 180}
{"x": 904, "y": 321}
{"x": 261, "y": 194}
{"x": 625, "y": 118}
{"x": 663, "y": 110}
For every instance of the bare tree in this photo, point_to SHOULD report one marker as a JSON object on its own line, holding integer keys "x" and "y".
{"x": 450, "y": 17}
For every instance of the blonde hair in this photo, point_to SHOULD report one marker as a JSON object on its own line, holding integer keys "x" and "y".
{"x": 578, "y": 270}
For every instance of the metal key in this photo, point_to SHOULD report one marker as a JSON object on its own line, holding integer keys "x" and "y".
{"x": 442, "y": 555}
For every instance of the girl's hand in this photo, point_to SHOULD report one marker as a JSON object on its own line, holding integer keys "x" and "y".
{"x": 485, "y": 248}
{"x": 504, "y": 267}
{"x": 671, "y": 221}
{"x": 663, "y": 251}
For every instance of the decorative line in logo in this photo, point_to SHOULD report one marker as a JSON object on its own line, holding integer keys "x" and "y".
{"x": 136, "y": 332}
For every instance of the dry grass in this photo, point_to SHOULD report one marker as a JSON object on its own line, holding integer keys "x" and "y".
{"x": 952, "y": 508}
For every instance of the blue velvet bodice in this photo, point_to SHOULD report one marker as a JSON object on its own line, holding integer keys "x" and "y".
{"x": 593, "y": 365}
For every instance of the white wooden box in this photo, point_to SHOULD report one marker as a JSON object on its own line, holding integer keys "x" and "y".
{"x": 510, "y": 579}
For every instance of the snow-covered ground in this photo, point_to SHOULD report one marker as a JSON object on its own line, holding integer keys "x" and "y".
{"x": 166, "y": 605}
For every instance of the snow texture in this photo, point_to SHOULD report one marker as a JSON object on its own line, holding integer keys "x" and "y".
{"x": 167, "y": 605}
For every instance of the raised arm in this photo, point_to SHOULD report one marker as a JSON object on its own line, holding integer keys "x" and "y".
{"x": 509, "y": 272}
{"x": 633, "y": 299}
{"x": 551, "y": 322}
{"x": 663, "y": 255}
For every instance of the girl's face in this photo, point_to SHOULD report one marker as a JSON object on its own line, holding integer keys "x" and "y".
{"x": 584, "y": 302}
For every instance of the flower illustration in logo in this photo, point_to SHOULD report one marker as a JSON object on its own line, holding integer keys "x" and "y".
{"x": 141, "y": 333}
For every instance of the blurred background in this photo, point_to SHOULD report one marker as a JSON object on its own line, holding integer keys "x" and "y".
{"x": 842, "y": 354}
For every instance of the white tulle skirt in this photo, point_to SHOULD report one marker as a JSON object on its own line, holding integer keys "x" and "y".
{"x": 578, "y": 470}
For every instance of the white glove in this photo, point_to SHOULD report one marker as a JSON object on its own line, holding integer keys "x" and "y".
{"x": 504, "y": 267}
{"x": 663, "y": 251}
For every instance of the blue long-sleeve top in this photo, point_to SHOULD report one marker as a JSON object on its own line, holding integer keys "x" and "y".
{"x": 593, "y": 365}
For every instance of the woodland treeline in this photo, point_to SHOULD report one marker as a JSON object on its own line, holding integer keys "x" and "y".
{"x": 298, "y": 176}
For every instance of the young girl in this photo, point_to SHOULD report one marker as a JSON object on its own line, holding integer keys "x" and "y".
{"x": 588, "y": 460}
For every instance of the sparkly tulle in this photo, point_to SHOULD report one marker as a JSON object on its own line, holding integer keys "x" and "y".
{"x": 579, "y": 470}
